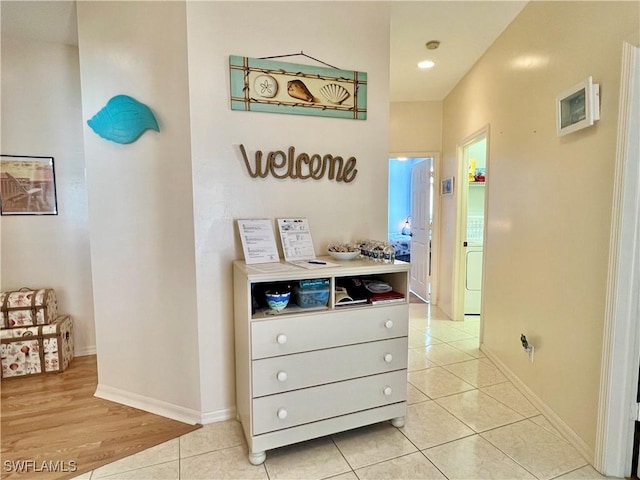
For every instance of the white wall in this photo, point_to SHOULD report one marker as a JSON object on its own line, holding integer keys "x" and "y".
{"x": 140, "y": 208}
{"x": 550, "y": 198}
{"x": 41, "y": 116}
{"x": 356, "y": 38}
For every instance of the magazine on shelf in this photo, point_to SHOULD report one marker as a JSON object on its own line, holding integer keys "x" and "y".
{"x": 343, "y": 298}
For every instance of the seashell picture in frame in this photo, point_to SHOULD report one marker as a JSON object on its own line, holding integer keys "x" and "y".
{"x": 262, "y": 85}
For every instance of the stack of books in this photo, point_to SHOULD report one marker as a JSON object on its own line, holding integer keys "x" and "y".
{"x": 386, "y": 297}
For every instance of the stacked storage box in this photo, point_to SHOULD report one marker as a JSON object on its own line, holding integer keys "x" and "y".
{"x": 313, "y": 293}
{"x": 34, "y": 339}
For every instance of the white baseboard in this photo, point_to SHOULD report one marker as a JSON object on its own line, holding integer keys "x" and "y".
{"x": 565, "y": 430}
{"x": 147, "y": 404}
{"x": 218, "y": 416}
{"x": 83, "y": 352}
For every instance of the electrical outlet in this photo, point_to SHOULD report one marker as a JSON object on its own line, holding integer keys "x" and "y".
{"x": 527, "y": 346}
{"x": 530, "y": 351}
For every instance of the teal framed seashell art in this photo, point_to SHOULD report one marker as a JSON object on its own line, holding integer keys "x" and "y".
{"x": 262, "y": 85}
{"x": 123, "y": 119}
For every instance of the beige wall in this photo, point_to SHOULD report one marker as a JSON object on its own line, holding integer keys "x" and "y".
{"x": 415, "y": 127}
{"x": 42, "y": 116}
{"x": 549, "y": 197}
{"x": 223, "y": 190}
{"x": 159, "y": 347}
{"x": 157, "y": 240}
{"x": 141, "y": 207}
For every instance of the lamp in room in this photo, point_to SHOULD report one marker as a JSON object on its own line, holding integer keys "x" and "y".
{"x": 406, "y": 229}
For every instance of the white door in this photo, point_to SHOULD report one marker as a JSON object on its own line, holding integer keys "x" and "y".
{"x": 621, "y": 353}
{"x": 420, "y": 228}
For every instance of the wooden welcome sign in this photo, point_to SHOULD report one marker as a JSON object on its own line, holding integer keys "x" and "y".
{"x": 287, "y": 165}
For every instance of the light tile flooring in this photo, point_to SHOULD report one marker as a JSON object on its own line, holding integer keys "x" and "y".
{"x": 465, "y": 420}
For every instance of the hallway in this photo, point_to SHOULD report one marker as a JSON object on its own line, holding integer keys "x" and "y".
{"x": 465, "y": 420}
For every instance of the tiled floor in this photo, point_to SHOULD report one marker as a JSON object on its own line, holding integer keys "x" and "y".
{"x": 465, "y": 420}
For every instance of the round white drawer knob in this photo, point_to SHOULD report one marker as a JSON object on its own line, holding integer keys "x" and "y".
{"x": 281, "y": 376}
{"x": 388, "y": 358}
{"x": 282, "y": 413}
{"x": 388, "y": 323}
{"x": 281, "y": 339}
{"x": 387, "y": 391}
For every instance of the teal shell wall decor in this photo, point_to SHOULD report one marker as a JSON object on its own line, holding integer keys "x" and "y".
{"x": 123, "y": 119}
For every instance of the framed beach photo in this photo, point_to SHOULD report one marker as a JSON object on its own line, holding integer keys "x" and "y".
{"x": 27, "y": 185}
{"x": 446, "y": 186}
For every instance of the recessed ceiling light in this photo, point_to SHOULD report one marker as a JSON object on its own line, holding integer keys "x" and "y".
{"x": 426, "y": 64}
{"x": 432, "y": 44}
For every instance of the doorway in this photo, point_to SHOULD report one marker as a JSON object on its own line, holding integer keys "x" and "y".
{"x": 619, "y": 384}
{"x": 410, "y": 218}
{"x": 472, "y": 160}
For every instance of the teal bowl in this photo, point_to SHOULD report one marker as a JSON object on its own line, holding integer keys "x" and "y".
{"x": 277, "y": 301}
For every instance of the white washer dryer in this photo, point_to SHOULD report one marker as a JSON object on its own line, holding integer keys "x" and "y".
{"x": 473, "y": 280}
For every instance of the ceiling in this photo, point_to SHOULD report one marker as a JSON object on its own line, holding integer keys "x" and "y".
{"x": 464, "y": 28}
{"x": 46, "y": 21}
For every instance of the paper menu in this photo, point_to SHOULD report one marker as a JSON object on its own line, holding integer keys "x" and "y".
{"x": 296, "y": 239}
{"x": 258, "y": 241}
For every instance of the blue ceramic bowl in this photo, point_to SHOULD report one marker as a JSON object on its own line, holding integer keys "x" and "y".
{"x": 277, "y": 300}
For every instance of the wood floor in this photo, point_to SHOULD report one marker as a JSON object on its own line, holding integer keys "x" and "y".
{"x": 56, "y": 424}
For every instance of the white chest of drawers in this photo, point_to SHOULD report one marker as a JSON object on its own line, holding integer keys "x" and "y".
{"x": 305, "y": 373}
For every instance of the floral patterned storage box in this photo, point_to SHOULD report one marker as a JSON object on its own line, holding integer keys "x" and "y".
{"x": 37, "y": 349}
{"x": 26, "y": 307}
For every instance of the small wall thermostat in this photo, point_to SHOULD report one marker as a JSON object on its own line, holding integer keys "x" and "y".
{"x": 578, "y": 107}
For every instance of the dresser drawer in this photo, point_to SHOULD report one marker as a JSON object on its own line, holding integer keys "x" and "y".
{"x": 300, "y": 370}
{"x": 298, "y": 407}
{"x": 302, "y": 333}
